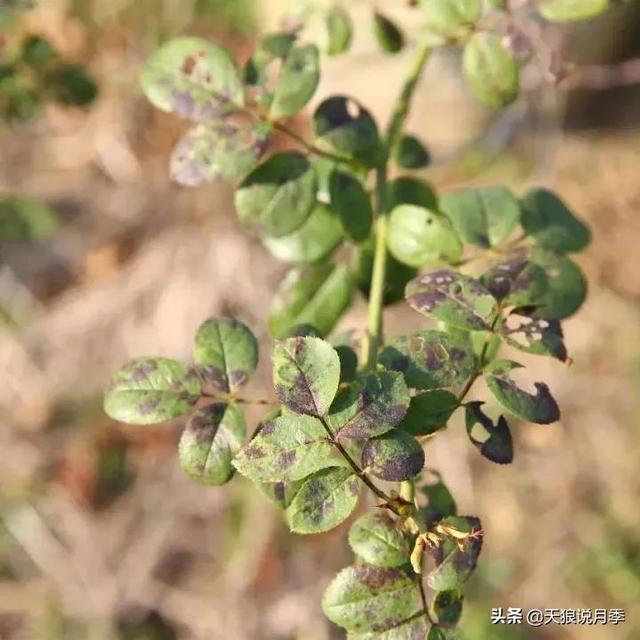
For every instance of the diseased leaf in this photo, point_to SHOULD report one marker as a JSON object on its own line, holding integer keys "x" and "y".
{"x": 552, "y": 224}
{"x": 212, "y": 437}
{"x": 410, "y": 629}
{"x": 388, "y": 35}
{"x": 566, "y": 286}
{"x": 410, "y": 190}
{"x": 326, "y": 499}
{"x": 430, "y": 359}
{"x": 297, "y": 82}
{"x": 314, "y": 295}
{"x": 306, "y": 373}
{"x": 224, "y": 149}
{"x": 444, "y": 633}
{"x": 226, "y": 352}
{"x": 280, "y": 493}
{"x": 259, "y": 69}
{"x": 352, "y": 202}
{"x": 454, "y": 298}
{"x": 277, "y": 197}
{"x": 429, "y": 412}
{"x": 447, "y": 605}
{"x": 420, "y": 237}
{"x": 378, "y": 540}
{"x": 491, "y": 70}
{"x": 540, "y": 407}
{"x": 151, "y": 390}
{"x": 365, "y": 598}
{"x": 313, "y": 241}
{"x": 440, "y": 501}
{"x": 370, "y": 406}
{"x": 349, "y": 128}
{"x": 411, "y": 153}
{"x": 517, "y": 281}
{"x": 339, "y": 30}
{"x": 572, "y": 10}
{"x": 194, "y": 78}
{"x": 449, "y": 17}
{"x": 286, "y": 448}
{"x": 484, "y": 216}
{"x": 534, "y": 335}
{"x": 395, "y": 456}
{"x": 457, "y": 556}
{"x": 497, "y": 444}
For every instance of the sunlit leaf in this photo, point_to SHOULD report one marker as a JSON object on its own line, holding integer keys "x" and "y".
{"x": 449, "y": 17}
{"x": 571, "y": 10}
{"x": 339, "y": 30}
{"x": 378, "y": 540}
{"x": 395, "y": 456}
{"x": 297, "y": 81}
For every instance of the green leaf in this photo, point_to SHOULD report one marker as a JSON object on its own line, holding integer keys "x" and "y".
{"x": 411, "y": 153}
{"x": 314, "y": 295}
{"x": 339, "y": 30}
{"x": 419, "y": 237}
{"x": 443, "y": 633}
{"x": 496, "y": 443}
{"x": 348, "y": 362}
{"x": 414, "y": 627}
{"x": 258, "y": 69}
{"x": 349, "y": 128}
{"x": 151, "y": 390}
{"x": 517, "y": 281}
{"x": 280, "y": 493}
{"x": 430, "y": 359}
{"x": 287, "y": 448}
{"x": 352, "y": 202}
{"x": 449, "y": 17}
{"x": 454, "y": 298}
{"x": 552, "y": 224}
{"x": 72, "y": 86}
{"x": 540, "y": 407}
{"x": 457, "y": 559}
{"x": 491, "y": 70}
{"x": 370, "y": 406}
{"x": 306, "y": 373}
{"x": 378, "y": 540}
{"x": 24, "y": 219}
{"x": 395, "y": 456}
{"x": 364, "y": 598}
{"x": 534, "y": 335}
{"x": 389, "y": 37}
{"x": 429, "y": 412}
{"x": 193, "y": 77}
{"x": 297, "y": 82}
{"x": 37, "y": 51}
{"x": 211, "y": 439}
{"x": 226, "y": 353}
{"x": 277, "y": 197}
{"x": 484, "y": 216}
{"x": 447, "y": 605}
{"x": 225, "y": 149}
{"x": 409, "y": 190}
{"x": 566, "y": 286}
{"x": 441, "y": 503}
{"x": 326, "y": 499}
{"x": 571, "y": 10}
{"x": 313, "y": 241}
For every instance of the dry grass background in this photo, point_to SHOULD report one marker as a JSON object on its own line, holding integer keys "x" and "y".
{"x": 139, "y": 263}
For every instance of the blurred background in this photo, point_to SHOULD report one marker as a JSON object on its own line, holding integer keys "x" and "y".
{"x": 101, "y": 536}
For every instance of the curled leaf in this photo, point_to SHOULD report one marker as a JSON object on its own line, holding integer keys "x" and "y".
{"x": 498, "y": 444}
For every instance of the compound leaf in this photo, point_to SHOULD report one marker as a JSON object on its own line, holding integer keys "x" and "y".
{"x": 306, "y": 374}
{"x": 395, "y": 456}
{"x": 194, "y": 78}
{"x": 212, "y": 437}
{"x": 286, "y": 448}
{"x": 151, "y": 390}
{"x": 453, "y": 298}
{"x": 277, "y": 197}
{"x": 497, "y": 446}
{"x": 540, "y": 407}
{"x": 297, "y": 82}
{"x": 326, "y": 499}
{"x": 428, "y": 412}
{"x": 226, "y": 353}
{"x": 352, "y": 202}
{"x": 377, "y": 539}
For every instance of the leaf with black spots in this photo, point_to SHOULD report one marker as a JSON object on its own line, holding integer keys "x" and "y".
{"x": 370, "y": 406}
{"x": 306, "y": 374}
{"x": 353, "y": 204}
{"x": 365, "y": 598}
{"x": 151, "y": 390}
{"x": 378, "y": 540}
{"x": 226, "y": 353}
{"x": 211, "y": 439}
{"x": 280, "y": 493}
{"x": 517, "y": 281}
{"x": 454, "y": 298}
{"x": 413, "y": 628}
{"x": 286, "y": 448}
{"x": 326, "y": 499}
{"x": 496, "y": 443}
{"x": 388, "y": 35}
{"x": 430, "y": 359}
{"x": 297, "y": 82}
{"x": 194, "y": 78}
{"x": 540, "y": 407}
{"x": 534, "y": 335}
{"x": 395, "y": 456}
{"x": 429, "y": 412}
